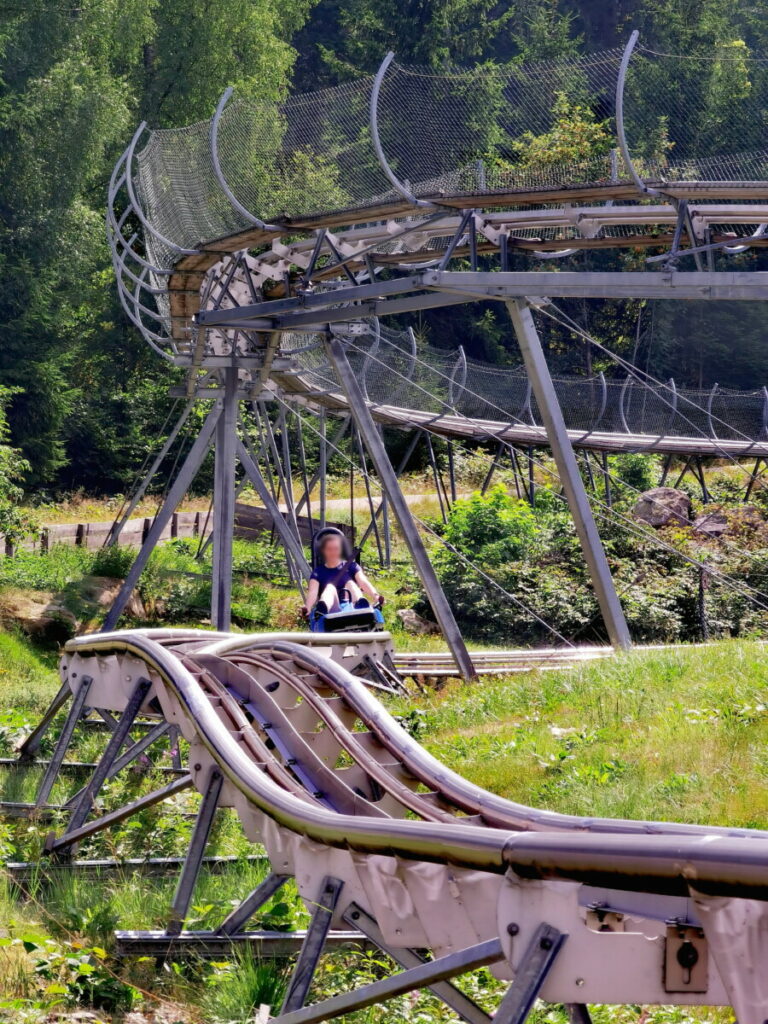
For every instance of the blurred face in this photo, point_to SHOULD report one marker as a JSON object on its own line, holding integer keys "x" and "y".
{"x": 332, "y": 550}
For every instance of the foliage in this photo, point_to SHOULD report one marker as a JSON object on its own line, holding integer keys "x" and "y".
{"x": 531, "y": 584}
{"x": 493, "y": 527}
{"x": 75, "y": 83}
{"x": 576, "y": 137}
{"x": 14, "y": 523}
{"x": 76, "y": 974}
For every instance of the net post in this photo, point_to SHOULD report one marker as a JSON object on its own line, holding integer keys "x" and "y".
{"x": 398, "y": 185}
{"x": 621, "y": 136}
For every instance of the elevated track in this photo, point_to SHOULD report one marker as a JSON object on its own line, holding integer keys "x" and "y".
{"x": 388, "y": 844}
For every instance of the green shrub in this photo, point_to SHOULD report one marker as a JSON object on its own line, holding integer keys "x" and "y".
{"x": 114, "y": 561}
{"x": 50, "y": 571}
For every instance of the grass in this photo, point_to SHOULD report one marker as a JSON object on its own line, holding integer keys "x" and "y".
{"x": 677, "y": 735}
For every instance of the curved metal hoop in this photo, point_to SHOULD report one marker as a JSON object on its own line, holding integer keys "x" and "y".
{"x": 376, "y": 138}
{"x": 459, "y": 370}
{"x": 214, "y": 140}
{"x": 137, "y": 205}
{"x": 735, "y": 250}
{"x": 370, "y": 355}
{"x": 673, "y": 404}
{"x": 710, "y": 401}
{"x": 620, "y": 132}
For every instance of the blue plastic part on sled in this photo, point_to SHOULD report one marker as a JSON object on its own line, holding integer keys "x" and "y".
{"x": 347, "y": 619}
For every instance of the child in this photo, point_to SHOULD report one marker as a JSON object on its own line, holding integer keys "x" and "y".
{"x": 333, "y": 575}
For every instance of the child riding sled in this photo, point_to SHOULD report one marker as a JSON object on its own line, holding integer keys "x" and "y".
{"x": 337, "y": 583}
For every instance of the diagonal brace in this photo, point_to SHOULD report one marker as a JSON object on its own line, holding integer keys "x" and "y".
{"x": 405, "y": 981}
{"x": 306, "y": 965}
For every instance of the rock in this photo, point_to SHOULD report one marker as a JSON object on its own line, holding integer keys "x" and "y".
{"x": 560, "y": 734}
{"x": 663, "y": 506}
{"x": 414, "y": 623}
{"x": 745, "y": 521}
{"x": 102, "y": 591}
{"x": 39, "y": 614}
{"x": 712, "y": 524}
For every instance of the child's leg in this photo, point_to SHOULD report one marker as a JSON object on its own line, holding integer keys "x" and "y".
{"x": 329, "y": 599}
{"x": 356, "y": 596}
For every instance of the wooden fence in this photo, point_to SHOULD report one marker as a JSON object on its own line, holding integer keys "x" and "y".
{"x": 251, "y": 522}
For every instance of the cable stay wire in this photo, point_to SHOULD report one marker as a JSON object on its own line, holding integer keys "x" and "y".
{"x": 637, "y": 375}
{"x": 446, "y": 544}
{"x": 743, "y": 589}
{"x": 515, "y": 419}
{"x": 608, "y": 513}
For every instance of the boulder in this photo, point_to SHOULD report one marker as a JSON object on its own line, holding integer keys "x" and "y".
{"x": 663, "y": 506}
{"x": 414, "y": 623}
{"x": 711, "y": 524}
{"x": 39, "y": 614}
{"x": 102, "y": 591}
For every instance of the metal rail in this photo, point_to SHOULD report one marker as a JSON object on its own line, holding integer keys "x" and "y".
{"x": 342, "y": 796}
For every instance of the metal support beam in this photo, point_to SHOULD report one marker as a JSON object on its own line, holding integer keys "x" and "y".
{"x": 54, "y": 845}
{"x": 531, "y": 974}
{"x": 319, "y": 475}
{"x": 388, "y": 479}
{"x": 114, "y": 746}
{"x": 202, "y": 830}
{"x": 304, "y": 971}
{"x": 568, "y": 469}
{"x": 138, "y": 494}
{"x": 179, "y": 488}
{"x": 398, "y": 984}
{"x": 62, "y": 744}
{"x": 284, "y": 531}
{"x": 382, "y": 508}
{"x": 578, "y": 1013}
{"x": 453, "y": 997}
{"x": 237, "y": 919}
{"x": 31, "y": 744}
{"x": 224, "y": 505}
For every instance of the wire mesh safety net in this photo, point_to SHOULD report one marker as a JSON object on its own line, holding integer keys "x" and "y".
{"x": 396, "y": 371}
{"x": 489, "y": 131}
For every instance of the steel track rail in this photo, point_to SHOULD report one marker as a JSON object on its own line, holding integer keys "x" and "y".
{"x": 524, "y": 435}
{"x": 638, "y": 856}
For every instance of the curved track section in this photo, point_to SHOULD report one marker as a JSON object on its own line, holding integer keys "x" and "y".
{"x": 347, "y": 803}
{"x": 302, "y": 195}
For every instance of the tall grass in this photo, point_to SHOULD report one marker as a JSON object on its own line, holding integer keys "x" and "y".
{"x": 678, "y": 735}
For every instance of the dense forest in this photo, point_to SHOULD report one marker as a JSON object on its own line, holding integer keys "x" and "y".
{"x": 84, "y": 394}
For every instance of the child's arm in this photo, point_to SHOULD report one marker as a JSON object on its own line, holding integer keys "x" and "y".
{"x": 366, "y": 586}
{"x": 310, "y": 600}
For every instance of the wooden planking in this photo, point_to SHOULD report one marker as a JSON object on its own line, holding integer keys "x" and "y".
{"x": 252, "y": 522}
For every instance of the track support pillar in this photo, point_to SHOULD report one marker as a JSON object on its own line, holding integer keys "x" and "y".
{"x": 311, "y": 950}
{"x": 202, "y": 830}
{"x": 386, "y": 474}
{"x": 568, "y": 469}
{"x": 62, "y": 744}
{"x": 531, "y": 974}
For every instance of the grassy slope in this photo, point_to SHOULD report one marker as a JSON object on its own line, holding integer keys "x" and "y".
{"x": 656, "y": 735}
{"x": 676, "y": 735}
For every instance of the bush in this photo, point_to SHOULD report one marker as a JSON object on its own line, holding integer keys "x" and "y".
{"x": 113, "y": 561}
{"x": 534, "y": 556}
{"x": 51, "y": 571}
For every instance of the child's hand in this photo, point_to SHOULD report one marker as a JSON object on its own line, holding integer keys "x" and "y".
{"x": 303, "y": 612}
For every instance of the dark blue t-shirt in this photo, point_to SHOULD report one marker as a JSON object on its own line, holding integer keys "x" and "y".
{"x": 339, "y": 576}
